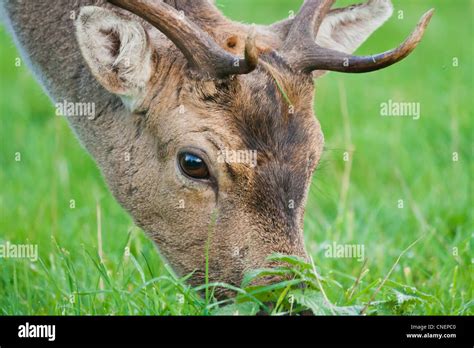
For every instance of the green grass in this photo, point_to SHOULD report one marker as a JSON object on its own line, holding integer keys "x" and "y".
{"x": 353, "y": 202}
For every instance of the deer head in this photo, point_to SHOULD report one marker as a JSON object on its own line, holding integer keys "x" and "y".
{"x": 223, "y": 114}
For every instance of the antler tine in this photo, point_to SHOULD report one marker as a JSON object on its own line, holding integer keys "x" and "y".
{"x": 306, "y": 24}
{"x": 315, "y": 57}
{"x": 201, "y": 51}
{"x": 198, "y": 11}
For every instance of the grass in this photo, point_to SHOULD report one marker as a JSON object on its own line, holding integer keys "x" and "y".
{"x": 384, "y": 183}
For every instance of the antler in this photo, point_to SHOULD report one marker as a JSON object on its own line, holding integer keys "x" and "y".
{"x": 303, "y": 54}
{"x": 306, "y": 24}
{"x": 201, "y": 51}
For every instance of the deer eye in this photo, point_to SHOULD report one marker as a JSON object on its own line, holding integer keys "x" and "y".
{"x": 193, "y": 166}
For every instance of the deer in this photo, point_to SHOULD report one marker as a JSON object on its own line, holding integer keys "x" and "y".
{"x": 175, "y": 85}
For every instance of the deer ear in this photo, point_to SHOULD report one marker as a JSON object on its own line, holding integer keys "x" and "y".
{"x": 117, "y": 51}
{"x": 345, "y": 29}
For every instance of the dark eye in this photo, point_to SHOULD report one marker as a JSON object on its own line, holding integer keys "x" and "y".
{"x": 193, "y": 166}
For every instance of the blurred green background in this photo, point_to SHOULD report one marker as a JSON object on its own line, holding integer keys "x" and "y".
{"x": 355, "y": 201}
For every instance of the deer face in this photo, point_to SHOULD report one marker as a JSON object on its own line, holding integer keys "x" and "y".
{"x": 225, "y": 140}
{"x": 239, "y": 150}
